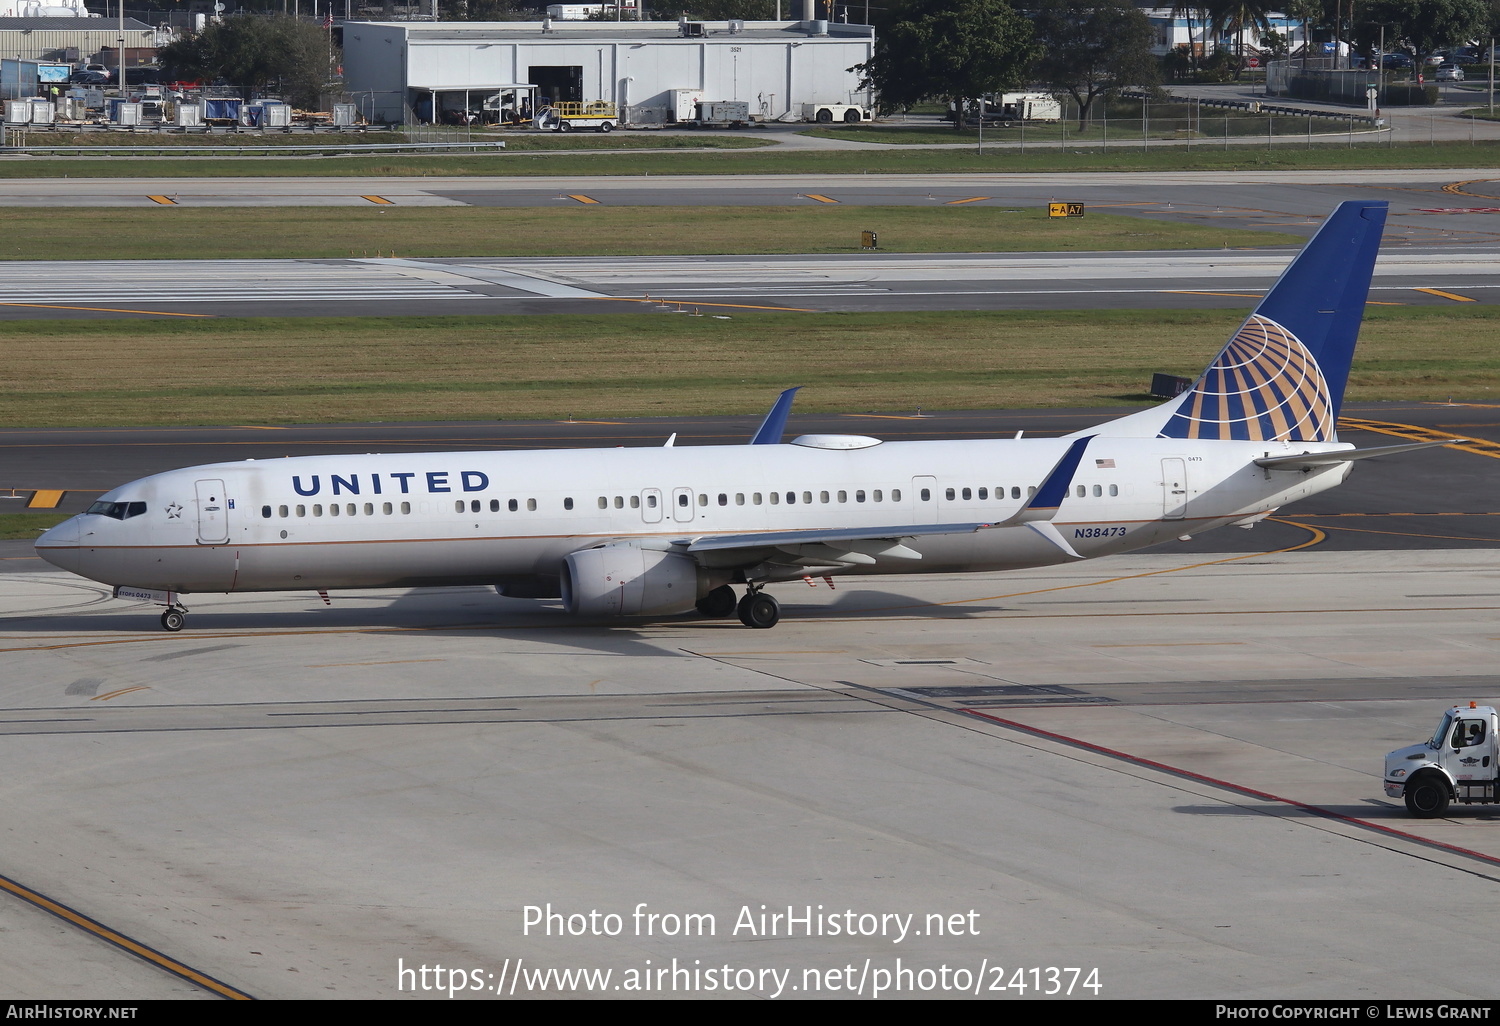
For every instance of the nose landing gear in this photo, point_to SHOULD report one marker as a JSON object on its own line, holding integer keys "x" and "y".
{"x": 174, "y": 619}
{"x": 759, "y": 610}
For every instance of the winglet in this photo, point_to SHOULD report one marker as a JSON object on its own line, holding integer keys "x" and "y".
{"x": 771, "y": 429}
{"x": 1044, "y": 504}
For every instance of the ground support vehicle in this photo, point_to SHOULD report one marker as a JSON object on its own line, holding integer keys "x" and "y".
{"x": 600, "y": 115}
{"x": 829, "y": 113}
{"x": 1457, "y": 764}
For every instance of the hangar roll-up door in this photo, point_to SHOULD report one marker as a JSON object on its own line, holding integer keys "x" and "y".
{"x": 558, "y": 83}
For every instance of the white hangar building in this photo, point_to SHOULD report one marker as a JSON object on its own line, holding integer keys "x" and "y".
{"x": 395, "y": 71}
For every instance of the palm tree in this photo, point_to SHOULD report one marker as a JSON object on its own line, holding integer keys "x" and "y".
{"x": 1188, "y": 11}
{"x": 1237, "y": 17}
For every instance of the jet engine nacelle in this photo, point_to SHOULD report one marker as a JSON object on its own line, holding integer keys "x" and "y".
{"x": 627, "y": 580}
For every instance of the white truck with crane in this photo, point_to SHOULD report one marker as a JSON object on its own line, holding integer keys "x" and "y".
{"x": 1457, "y": 764}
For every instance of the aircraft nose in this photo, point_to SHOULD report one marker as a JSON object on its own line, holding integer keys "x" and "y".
{"x": 59, "y": 545}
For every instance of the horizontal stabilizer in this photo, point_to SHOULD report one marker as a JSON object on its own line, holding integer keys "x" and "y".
{"x": 1309, "y": 460}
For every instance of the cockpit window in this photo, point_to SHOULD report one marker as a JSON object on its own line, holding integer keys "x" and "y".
{"x": 117, "y": 510}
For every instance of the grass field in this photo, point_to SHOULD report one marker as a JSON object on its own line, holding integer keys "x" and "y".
{"x": 774, "y": 160}
{"x": 158, "y": 233}
{"x": 14, "y": 526}
{"x": 274, "y": 371}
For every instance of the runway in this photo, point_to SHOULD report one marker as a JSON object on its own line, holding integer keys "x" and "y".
{"x": 1442, "y": 246}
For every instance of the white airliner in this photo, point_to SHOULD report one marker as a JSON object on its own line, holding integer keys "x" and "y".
{"x": 655, "y": 532}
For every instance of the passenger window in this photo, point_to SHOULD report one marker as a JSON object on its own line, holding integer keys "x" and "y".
{"x": 474, "y": 506}
{"x": 531, "y": 505}
{"x": 702, "y": 499}
{"x": 1030, "y": 491}
{"x": 405, "y": 507}
{"x": 723, "y": 499}
{"x": 458, "y": 506}
{"x": 877, "y": 495}
{"x": 791, "y": 498}
{"x": 350, "y": 509}
{"x": 302, "y": 511}
{"x": 494, "y": 506}
{"x": 651, "y": 502}
{"x": 739, "y": 498}
{"x": 984, "y": 493}
{"x": 968, "y": 495}
{"x": 619, "y": 502}
{"x": 603, "y": 502}
{"x": 635, "y": 502}
{"x": 926, "y": 495}
{"x": 512, "y": 505}
{"x": 843, "y": 495}
{"x": 370, "y": 509}
{"x": 775, "y": 498}
{"x": 756, "y": 498}
{"x": 385, "y": 507}
{"x": 859, "y": 495}
{"x": 281, "y": 511}
{"x": 265, "y": 511}
{"x": 822, "y": 496}
{"x": 950, "y": 495}
{"x": 895, "y": 495}
{"x": 568, "y": 503}
{"x": 1082, "y": 491}
{"x": 1114, "y": 489}
{"x": 1098, "y": 491}
{"x": 333, "y": 509}
{"x": 317, "y": 509}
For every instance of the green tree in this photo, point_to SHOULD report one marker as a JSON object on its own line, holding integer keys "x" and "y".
{"x": 256, "y": 52}
{"x": 949, "y": 49}
{"x": 1422, "y": 26}
{"x": 1236, "y": 17}
{"x": 1093, "y": 47}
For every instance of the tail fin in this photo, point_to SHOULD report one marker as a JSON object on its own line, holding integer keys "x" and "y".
{"x": 1282, "y": 376}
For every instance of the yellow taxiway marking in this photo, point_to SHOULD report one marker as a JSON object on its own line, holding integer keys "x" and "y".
{"x": 105, "y": 309}
{"x": 45, "y": 498}
{"x": 1457, "y": 188}
{"x": 887, "y": 416}
{"x": 380, "y": 200}
{"x": 581, "y": 198}
{"x": 119, "y": 940}
{"x": 116, "y": 694}
{"x": 1478, "y": 446}
{"x": 382, "y": 662}
{"x": 1447, "y": 295}
{"x": 166, "y": 201}
{"x": 820, "y": 197}
{"x": 971, "y": 199}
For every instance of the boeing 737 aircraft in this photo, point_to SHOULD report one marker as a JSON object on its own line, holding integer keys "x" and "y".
{"x": 654, "y": 532}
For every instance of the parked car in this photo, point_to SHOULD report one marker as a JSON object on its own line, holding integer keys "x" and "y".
{"x": 89, "y": 78}
{"x": 1449, "y": 73}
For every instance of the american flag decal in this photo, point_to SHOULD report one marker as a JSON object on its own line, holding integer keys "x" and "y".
{"x": 1104, "y": 464}
{"x": 1264, "y": 386}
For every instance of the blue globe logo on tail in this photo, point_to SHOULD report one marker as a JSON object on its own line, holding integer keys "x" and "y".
{"x": 1263, "y": 386}
{"x": 1282, "y": 376}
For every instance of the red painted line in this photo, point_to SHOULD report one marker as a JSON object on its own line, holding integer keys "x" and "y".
{"x": 1237, "y": 788}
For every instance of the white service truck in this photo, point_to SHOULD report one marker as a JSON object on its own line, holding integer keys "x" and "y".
{"x": 1457, "y": 764}
{"x": 828, "y": 113}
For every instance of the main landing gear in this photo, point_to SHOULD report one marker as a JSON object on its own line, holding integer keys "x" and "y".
{"x": 756, "y": 609}
{"x": 174, "y": 619}
{"x": 759, "y": 610}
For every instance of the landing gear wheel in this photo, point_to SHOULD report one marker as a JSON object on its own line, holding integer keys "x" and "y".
{"x": 718, "y": 603}
{"x": 1427, "y": 797}
{"x": 759, "y": 610}
{"x": 173, "y": 620}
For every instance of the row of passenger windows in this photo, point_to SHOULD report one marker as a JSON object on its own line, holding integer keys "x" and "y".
{"x": 683, "y": 499}
{"x": 351, "y": 509}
